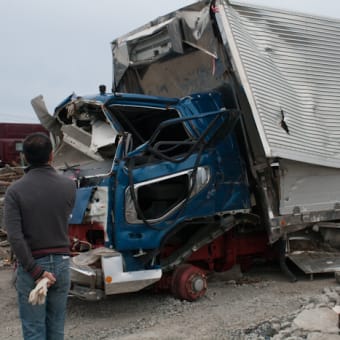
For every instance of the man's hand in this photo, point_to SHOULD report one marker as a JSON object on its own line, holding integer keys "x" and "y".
{"x": 51, "y": 278}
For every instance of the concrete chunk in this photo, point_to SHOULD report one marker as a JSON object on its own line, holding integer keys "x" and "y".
{"x": 318, "y": 320}
{"x": 320, "y": 336}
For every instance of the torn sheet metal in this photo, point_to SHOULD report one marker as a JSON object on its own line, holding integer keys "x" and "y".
{"x": 47, "y": 121}
{"x": 65, "y": 156}
{"x": 83, "y": 196}
{"x": 90, "y": 205}
{"x": 102, "y": 135}
{"x": 80, "y": 131}
{"x": 80, "y": 140}
{"x": 163, "y": 36}
{"x": 138, "y": 48}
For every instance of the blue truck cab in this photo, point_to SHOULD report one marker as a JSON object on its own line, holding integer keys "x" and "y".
{"x": 158, "y": 179}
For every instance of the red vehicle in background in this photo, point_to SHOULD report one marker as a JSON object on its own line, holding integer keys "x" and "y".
{"x": 11, "y": 138}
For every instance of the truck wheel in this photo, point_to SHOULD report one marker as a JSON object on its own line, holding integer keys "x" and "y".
{"x": 188, "y": 282}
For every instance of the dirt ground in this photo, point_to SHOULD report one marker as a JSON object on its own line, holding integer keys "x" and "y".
{"x": 229, "y": 305}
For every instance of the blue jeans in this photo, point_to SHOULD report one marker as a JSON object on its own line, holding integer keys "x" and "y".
{"x": 44, "y": 322}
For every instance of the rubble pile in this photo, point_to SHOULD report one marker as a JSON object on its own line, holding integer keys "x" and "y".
{"x": 7, "y": 176}
{"x": 316, "y": 319}
{"x": 5, "y": 252}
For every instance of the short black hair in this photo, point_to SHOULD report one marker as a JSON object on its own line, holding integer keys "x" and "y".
{"x": 37, "y": 148}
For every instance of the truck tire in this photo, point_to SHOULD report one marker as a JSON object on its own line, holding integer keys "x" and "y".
{"x": 188, "y": 282}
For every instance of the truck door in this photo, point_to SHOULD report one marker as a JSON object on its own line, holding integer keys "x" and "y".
{"x": 165, "y": 174}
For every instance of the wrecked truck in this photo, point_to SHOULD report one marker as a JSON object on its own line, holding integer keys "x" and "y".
{"x": 218, "y": 144}
{"x": 161, "y": 186}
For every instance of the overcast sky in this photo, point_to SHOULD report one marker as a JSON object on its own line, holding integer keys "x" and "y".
{"x": 56, "y": 47}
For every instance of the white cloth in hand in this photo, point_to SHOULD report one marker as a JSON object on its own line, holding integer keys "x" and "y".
{"x": 38, "y": 294}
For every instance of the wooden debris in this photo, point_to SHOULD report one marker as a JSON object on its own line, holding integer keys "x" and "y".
{"x": 4, "y": 243}
{"x": 7, "y": 176}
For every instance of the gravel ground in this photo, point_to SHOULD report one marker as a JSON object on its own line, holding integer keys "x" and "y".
{"x": 259, "y": 305}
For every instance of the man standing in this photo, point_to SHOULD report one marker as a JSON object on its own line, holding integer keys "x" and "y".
{"x": 37, "y": 208}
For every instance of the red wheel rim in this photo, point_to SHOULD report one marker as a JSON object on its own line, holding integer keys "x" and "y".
{"x": 188, "y": 282}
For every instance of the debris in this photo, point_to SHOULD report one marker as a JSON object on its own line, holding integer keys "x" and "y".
{"x": 337, "y": 276}
{"x": 4, "y": 243}
{"x": 8, "y": 175}
{"x": 3, "y": 233}
{"x": 336, "y": 309}
{"x": 92, "y": 256}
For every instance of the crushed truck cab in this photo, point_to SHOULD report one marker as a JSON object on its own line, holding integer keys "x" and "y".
{"x": 158, "y": 179}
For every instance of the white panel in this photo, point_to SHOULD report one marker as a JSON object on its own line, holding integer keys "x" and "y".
{"x": 306, "y": 188}
{"x": 102, "y": 135}
{"x": 291, "y": 62}
{"x": 125, "y": 282}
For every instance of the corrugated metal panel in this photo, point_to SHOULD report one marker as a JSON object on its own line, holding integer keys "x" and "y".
{"x": 290, "y": 62}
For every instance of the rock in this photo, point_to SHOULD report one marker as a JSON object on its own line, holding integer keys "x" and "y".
{"x": 337, "y": 277}
{"x": 276, "y": 326}
{"x": 326, "y": 290}
{"x": 333, "y": 297}
{"x": 320, "y": 336}
{"x": 285, "y": 334}
{"x": 309, "y": 306}
{"x": 285, "y": 325}
{"x": 317, "y": 320}
{"x": 322, "y": 299}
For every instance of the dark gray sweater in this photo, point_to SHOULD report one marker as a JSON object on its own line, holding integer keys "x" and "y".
{"x": 37, "y": 208}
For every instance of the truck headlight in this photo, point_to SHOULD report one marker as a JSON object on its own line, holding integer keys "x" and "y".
{"x": 201, "y": 180}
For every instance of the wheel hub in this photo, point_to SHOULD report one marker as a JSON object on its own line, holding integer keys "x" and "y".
{"x": 197, "y": 284}
{"x": 188, "y": 282}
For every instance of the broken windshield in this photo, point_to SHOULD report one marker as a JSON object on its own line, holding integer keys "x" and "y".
{"x": 90, "y": 131}
{"x": 141, "y": 122}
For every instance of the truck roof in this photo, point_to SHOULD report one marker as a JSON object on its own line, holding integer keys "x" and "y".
{"x": 108, "y": 98}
